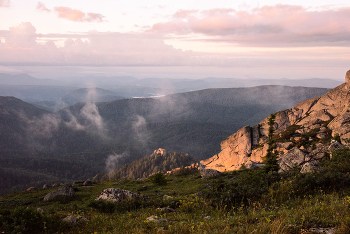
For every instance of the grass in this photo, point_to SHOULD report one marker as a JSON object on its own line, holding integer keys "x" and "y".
{"x": 279, "y": 205}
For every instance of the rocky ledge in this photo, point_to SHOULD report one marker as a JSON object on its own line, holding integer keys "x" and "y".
{"x": 303, "y": 134}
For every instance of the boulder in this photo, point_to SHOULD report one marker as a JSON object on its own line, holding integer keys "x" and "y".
{"x": 309, "y": 167}
{"x": 40, "y": 210}
{"x": 156, "y": 219}
{"x": 335, "y": 145}
{"x": 87, "y": 183}
{"x": 73, "y": 220}
{"x": 166, "y": 209}
{"x": 321, "y": 135}
{"x": 117, "y": 195}
{"x": 66, "y": 190}
{"x": 253, "y": 165}
{"x": 208, "y": 173}
{"x": 46, "y": 186}
{"x": 293, "y": 157}
{"x": 166, "y": 197}
{"x": 319, "y": 152}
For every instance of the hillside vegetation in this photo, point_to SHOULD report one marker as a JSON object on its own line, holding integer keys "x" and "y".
{"x": 244, "y": 201}
{"x": 75, "y": 143}
{"x": 145, "y": 166}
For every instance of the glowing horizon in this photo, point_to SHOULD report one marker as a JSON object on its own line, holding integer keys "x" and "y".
{"x": 261, "y": 39}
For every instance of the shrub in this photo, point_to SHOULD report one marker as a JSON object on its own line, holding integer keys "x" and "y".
{"x": 103, "y": 206}
{"x": 186, "y": 171}
{"x": 158, "y": 178}
{"x": 22, "y": 220}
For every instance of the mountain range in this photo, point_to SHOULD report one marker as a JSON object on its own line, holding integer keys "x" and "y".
{"x": 74, "y": 143}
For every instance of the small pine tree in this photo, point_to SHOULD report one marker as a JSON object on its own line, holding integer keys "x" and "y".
{"x": 159, "y": 179}
{"x": 270, "y": 158}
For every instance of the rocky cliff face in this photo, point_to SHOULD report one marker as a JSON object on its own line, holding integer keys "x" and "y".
{"x": 303, "y": 132}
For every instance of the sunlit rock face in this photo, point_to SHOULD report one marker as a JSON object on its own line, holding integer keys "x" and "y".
{"x": 347, "y": 79}
{"x": 328, "y": 115}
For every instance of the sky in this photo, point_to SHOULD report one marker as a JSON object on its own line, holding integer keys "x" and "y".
{"x": 176, "y": 39}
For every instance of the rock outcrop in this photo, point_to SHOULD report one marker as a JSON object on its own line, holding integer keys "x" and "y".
{"x": 117, "y": 195}
{"x": 66, "y": 191}
{"x": 307, "y": 129}
{"x": 208, "y": 173}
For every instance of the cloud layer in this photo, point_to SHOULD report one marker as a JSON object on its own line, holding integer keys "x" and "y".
{"x": 267, "y": 25}
{"x": 280, "y": 26}
{"x": 72, "y": 14}
{"x": 91, "y": 48}
{"x": 5, "y": 3}
{"x": 77, "y": 15}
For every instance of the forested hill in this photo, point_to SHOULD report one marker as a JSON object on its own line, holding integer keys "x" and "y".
{"x": 145, "y": 166}
{"x": 76, "y": 142}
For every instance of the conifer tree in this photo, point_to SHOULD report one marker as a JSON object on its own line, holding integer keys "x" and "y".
{"x": 270, "y": 158}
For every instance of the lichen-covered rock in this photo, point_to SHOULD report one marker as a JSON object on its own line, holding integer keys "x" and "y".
{"x": 117, "y": 195}
{"x": 166, "y": 209}
{"x": 335, "y": 145}
{"x": 73, "y": 220}
{"x": 253, "y": 165}
{"x": 66, "y": 190}
{"x": 209, "y": 173}
{"x": 293, "y": 157}
{"x": 156, "y": 219}
{"x": 309, "y": 167}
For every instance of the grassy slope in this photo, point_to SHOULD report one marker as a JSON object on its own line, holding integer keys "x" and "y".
{"x": 296, "y": 213}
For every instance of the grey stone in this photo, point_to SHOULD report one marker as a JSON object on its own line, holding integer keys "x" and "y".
{"x": 284, "y": 145}
{"x": 46, "y": 186}
{"x": 302, "y": 130}
{"x": 315, "y": 126}
{"x": 335, "y": 145}
{"x": 321, "y": 135}
{"x": 322, "y": 230}
{"x": 253, "y": 165}
{"x": 166, "y": 197}
{"x": 73, "y": 220}
{"x": 117, "y": 195}
{"x": 156, "y": 219}
{"x": 166, "y": 209}
{"x": 309, "y": 167}
{"x": 66, "y": 190}
{"x": 293, "y": 157}
{"x": 40, "y": 210}
{"x": 208, "y": 173}
{"x": 323, "y": 129}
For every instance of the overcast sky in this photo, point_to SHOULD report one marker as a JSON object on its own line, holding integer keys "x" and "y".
{"x": 176, "y": 39}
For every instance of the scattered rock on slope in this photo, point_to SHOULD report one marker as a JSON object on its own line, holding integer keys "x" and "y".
{"x": 66, "y": 190}
{"x": 208, "y": 173}
{"x": 117, "y": 195}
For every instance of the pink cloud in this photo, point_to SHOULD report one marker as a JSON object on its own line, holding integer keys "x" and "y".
{"x": 77, "y": 15}
{"x": 267, "y": 25}
{"x": 5, "y": 3}
{"x": 41, "y": 6}
{"x": 182, "y": 14}
{"x": 101, "y": 49}
{"x": 96, "y": 49}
